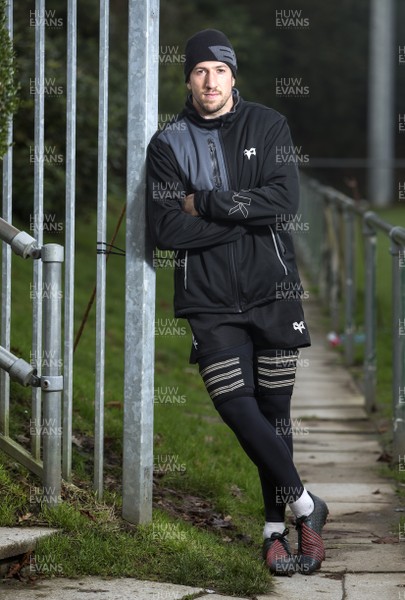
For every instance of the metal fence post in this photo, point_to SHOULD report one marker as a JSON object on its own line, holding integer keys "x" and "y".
{"x": 349, "y": 285}
{"x": 69, "y": 237}
{"x": 370, "y": 363}
{"x": 143, "y": 59}
{"x": 6, "y": 259}
{"x": 101, "y": 257}
{"x": 333, "y": 263}
{"x": 38, "y": 216}
{"x": 398, "y": 334}
{"x": 52, "y": 380}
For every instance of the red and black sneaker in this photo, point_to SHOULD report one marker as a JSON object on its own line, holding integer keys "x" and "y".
{"x": 311, "y": 550}
{"x": 277, "y": 554}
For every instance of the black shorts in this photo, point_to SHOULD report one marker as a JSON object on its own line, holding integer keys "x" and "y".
{"x": 278, "y": 325}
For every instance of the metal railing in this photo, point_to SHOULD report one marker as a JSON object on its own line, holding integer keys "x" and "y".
{"x": 49, "y": 380}
{"x": 329, "y": 253}
{"x": 143, "y": 44}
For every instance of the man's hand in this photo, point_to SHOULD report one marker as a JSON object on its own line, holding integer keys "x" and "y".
{"x": 188, "y": 206}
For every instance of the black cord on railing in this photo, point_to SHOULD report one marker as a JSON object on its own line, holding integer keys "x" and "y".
{"x": 93, "y": 294}
{"x": 107, "y": 249}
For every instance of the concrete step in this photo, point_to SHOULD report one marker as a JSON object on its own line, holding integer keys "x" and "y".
{"x": 15, "y": 541}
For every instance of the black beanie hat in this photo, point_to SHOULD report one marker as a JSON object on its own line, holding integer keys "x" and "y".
{"x": 209, "y": 44}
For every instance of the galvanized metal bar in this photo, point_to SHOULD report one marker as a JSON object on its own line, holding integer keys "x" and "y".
{"x": 350, "y": 292}
{"x": 18, "y": 369}
{"x": 70, "y": 212}
{"x": 381, "y": 139}
{"x": 7, "y": 231}
{"x": 52, "y": 257}
{"x": 332, "y": 265}
{"x": 398, "y": 235}
{"x": 370, "y": 361}
{"x": 101, "y": 237}
{"x": 335, "y": 279}
{"x": 21, "y": 242}
{"x": 311, "y": 242}
{"x": 143, "y": 40}
{"x": 398, "y": 336}
{"x": 375, "y": 221}
{"x": 6, "y": 259}
{"x": 20, "y": 454}
{"x": 38, "y": 217}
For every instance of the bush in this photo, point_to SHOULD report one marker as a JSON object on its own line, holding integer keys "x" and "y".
{"x": 8, "y": 88}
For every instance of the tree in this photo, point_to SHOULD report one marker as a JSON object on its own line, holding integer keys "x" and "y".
{"x": 8, "y": 88}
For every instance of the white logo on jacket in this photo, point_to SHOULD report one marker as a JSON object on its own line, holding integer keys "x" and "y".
{"x": 241, "y": 203}
{"x": 249, "y": 153}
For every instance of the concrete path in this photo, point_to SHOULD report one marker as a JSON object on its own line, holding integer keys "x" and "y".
{"x": 336, "y": 450}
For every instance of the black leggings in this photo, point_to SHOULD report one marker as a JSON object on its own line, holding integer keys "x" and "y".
{"x": 252, "y": 392}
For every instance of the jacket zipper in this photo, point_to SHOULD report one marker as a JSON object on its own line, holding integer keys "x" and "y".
{"x": 185, "y": 269}
{"x": 278, "y": 251}
{"x": 214, "y": 163}
{"x": 218, "y": 184}
{"x": 233, "y": 266}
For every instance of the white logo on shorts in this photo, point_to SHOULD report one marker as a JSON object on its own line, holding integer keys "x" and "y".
{"x": 299, "y": 326}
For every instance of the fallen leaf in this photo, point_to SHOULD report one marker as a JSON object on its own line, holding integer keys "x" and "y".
{"x": 25, "y": 517}
{"x": 385, "y": 457}
{"x": 236, "y": 491}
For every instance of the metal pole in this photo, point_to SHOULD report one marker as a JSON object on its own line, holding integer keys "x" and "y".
{"x": 101, "y": 258}
{"x": 52, "y": 380}
{"x": 349, "y": 284}
{"x": 38, "y": 217}
{"x": 381, "y": 102}
{"x": 398, "y": 331}
{"x": 140, "y": 275}
{"x": 18, "y": 369}
{"x": 21, "y": 242}
{"x": 69, "y": 237}
{"x": 370, "y": 316}
{"x": 335, "y": 288}
{"x": 334, "y": 280}
{"x": 6, "y": 260}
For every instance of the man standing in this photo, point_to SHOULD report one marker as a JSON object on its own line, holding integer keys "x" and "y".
{"x": 221, "y": 194}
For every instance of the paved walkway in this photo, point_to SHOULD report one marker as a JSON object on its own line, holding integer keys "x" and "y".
{"x": 336, "y": 450}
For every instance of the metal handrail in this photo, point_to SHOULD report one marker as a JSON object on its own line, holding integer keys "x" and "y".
{"x": 21, "y": 242}
{"x": 335, "y": 202}
{"x": 50, "y": 380}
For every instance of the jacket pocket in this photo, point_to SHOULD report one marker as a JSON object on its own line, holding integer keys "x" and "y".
{"x": 278, "y": 248}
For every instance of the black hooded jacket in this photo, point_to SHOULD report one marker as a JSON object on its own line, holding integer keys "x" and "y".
{"x": 242, "y": 169}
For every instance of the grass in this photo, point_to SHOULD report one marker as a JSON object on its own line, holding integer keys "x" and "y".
{"x": 201, "y": 465}
{"x": 93, "y": 539}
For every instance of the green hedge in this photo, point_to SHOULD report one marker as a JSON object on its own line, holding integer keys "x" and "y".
{"x": 8, "y": 88}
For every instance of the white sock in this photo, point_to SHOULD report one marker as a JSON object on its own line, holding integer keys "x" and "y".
{"x": 303, "y": 506}
{"x": 270, "y": 528}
